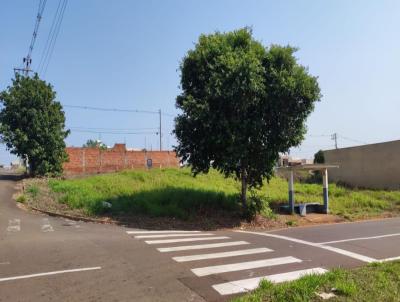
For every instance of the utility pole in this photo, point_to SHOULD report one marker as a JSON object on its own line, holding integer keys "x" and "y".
{"x": 159, "y": 132}
{"x": 28, "y": 59}
{"x": 334, "y": 137}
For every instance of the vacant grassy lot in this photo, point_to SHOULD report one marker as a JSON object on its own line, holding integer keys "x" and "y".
{"x": 169, "y": 192}
{"x": 345, "y": 202}
{"x": 175, "y": 193}
{"x": 375, "y": 282}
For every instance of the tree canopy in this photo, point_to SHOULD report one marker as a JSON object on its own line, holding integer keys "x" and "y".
{"x": 91, "y": 143}
{"x": 32, "y": 124}
{"x": 242, "y": 104}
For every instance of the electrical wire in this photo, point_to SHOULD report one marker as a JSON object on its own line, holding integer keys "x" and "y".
{"x": 110, "y": 129}
{"x": 110, "y": 109}
{"x": 47, "y": 44}
{"x": 352, "y": 140}
{"x": 52, "y": 37}
{"x": 117, "y": 110}
{"x": 112, "y": 132}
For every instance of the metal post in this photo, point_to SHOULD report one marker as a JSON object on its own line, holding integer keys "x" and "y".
{"x": 159, "y": 112}
{"x": 325, "y": 190}
{"x": 291, "y": 193}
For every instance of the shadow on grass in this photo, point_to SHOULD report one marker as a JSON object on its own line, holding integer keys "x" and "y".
{"x": 172, "y": 208}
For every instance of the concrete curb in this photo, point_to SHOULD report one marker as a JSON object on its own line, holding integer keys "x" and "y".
{"x": 76, "y": 218}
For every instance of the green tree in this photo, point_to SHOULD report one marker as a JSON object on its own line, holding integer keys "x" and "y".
{"x": 319, "y": 157}
{"x": 242, "y": 104}
{"x": 91, "y": 143}
{"x": 32, "y": 124}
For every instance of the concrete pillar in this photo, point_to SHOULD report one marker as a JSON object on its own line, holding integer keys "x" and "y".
{"x": 325, "y": 190}
{"x": 291, "y": 193}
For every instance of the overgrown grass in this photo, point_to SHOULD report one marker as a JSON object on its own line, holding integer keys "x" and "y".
{"x": 345, "y": 202}
{"x": 175, "y": 193}
{"x": 33, "y": 191}
{"x": 167, "y": 192}
{"x": 374, "y": 282}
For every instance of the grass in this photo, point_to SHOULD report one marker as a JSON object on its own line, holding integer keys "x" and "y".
{"x": 33, "y": 191}
{"x": 175, "y": 193}
{"x": 374, "y": 282}
{"x": 21, "y": 198}
{"x": 166, "y": 192}
{"x": 345, "y": 202}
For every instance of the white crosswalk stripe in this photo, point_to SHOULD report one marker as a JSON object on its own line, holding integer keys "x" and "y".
{"x": 46, "y": 226}
{"x": 171, "y": 235}
{"x": 217, "y": 269}
{"x": 160, "y": 232}
{"x": 201, "y": 246}
{"x": 221, "y": 254}
{"x": 240, "y": 286}
{"x": 184, "y": 240}
{"x": 234, "y": 250}
{"x": 14, "y": 225}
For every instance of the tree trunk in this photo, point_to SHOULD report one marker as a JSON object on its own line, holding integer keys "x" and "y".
{"x": 244, "y": 189}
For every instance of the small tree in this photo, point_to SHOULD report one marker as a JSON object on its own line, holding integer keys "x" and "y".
{"x": 242, "y": 104}
{"x": 319, "y": 157}
{"x": 32, "y": 124}
{"x": 91, "y": 143}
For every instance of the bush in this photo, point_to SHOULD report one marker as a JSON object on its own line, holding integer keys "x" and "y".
{"x": 21, "y": 198}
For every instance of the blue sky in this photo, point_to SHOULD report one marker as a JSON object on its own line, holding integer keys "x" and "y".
{"x": 126, "y": 54}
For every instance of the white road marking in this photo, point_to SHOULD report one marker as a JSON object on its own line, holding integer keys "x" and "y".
{"x": 245, "y": 285}
{"x": 184, "y": 240}
{"x": 200, "y": 246}
{"x": 70, "y": 222}
{"x": 46, "y": 226}
{"x": 360, "y": 238}
{"x": 389, "y": 259}
{"x": 217, "y": 269}
{"x": 14, "y": 225}
{"x": 318, "y": 245}
{"x": 4, "y": 263}
{"x": 50, "y": 273}
{"x": 221, "y": 255}
{"x": 172, "y": 235}
{"x": 159, "y": 232}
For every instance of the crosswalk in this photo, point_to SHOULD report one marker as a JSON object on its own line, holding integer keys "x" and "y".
{"x": 43, "y": 225}
{"x": 202, "y": 247}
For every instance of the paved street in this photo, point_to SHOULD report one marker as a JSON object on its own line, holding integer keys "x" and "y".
{"x": 53, "y": 259}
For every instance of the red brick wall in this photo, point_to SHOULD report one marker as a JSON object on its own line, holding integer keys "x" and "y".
{"x": 94, "y": 160}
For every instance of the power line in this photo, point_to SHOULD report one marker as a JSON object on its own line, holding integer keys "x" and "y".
{"x": 353, "y": 140}
{"x": 27, "y": 61}
{"x": 110, "y": 129}
{"x": 117, "y": 110}
{"x": 110, "y": 109}
{"x": 46, "y": 46}
{"x": 113, "y": 132}
{"x": 53, "y": 35}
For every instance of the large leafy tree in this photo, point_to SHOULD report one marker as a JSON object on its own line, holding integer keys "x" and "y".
{"x": 242, "y": 104}
{"x": 32, "y": 124}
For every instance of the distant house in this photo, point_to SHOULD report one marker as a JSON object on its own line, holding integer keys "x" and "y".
{"x": 288, "y": 161}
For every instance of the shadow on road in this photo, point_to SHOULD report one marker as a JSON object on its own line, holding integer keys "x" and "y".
{"x": 7, "y": 175}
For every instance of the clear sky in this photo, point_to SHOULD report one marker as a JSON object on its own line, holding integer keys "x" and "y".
{"x": 126, "y": 54}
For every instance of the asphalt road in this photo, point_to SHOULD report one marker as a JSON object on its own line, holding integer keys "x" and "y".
{"x": 54, "y": 259}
